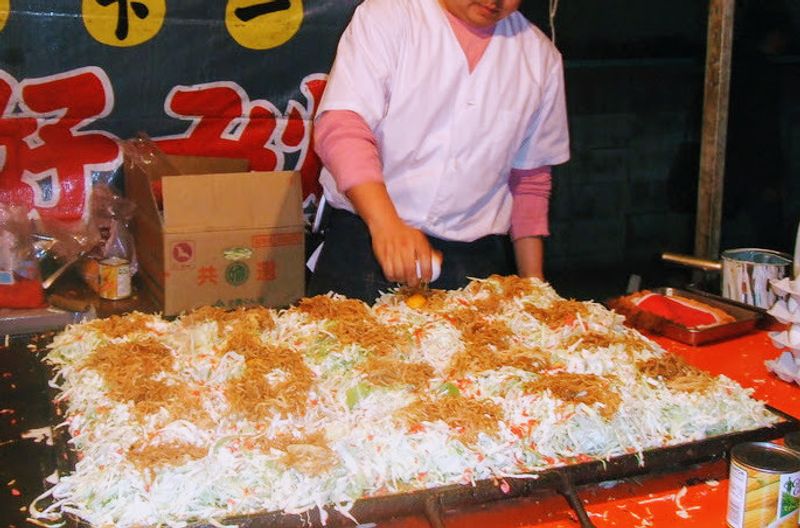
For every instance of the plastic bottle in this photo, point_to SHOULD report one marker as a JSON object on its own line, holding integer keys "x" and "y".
{"x": 116, "y": 269}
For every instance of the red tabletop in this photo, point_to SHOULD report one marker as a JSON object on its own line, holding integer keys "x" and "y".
{"x": 689, "y": 497}
{"x": 743, "y": 360}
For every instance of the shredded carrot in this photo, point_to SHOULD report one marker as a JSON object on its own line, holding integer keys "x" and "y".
{"x": 117, "y": 326}
{"x": 676, "y": 373}
{"x": 352, "y": 323}
{"x": 559, "y": 313}
{"x": 252, "y": 394}
{"x": 466, "y": 416}
{"x": 580, "y": 388}
{"x": 385, "y": 372}
{"x": 149, "y": 457}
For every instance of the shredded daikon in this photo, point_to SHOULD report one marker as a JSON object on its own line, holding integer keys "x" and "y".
{"x": 219, "y": 414}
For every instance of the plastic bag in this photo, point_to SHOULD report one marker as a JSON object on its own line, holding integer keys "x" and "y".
{"x": 58, "y": 244}
{"x": 111, "y": 215}
{"x": 20, "y": 280}
{"x": 144, "y": 154}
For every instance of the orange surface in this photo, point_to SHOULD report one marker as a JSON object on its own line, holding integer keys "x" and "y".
{"x": 743, "y": 359}
{"x": 691, "y": 497}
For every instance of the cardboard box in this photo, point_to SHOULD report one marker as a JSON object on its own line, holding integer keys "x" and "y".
{"x": 225, "y": 238}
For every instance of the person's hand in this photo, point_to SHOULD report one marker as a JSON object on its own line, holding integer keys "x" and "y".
{"x": 398, "y": 248}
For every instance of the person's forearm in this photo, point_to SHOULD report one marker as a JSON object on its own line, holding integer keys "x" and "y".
{"x": 372, "y": 203}
{"x": 398, "y": 247}
{"x": 529, "y": 252}
{"x": 348, "y": 149}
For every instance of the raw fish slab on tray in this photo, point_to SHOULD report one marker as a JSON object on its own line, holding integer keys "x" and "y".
{"x": 685, "y": 316}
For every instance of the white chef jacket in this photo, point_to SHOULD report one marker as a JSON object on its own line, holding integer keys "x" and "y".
{"x": 448, "y": 138}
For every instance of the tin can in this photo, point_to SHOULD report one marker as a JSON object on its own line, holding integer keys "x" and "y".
{"x": 792, "y": 441}
{"x": 764, "y": 486}
{"x": 115, "y": 278}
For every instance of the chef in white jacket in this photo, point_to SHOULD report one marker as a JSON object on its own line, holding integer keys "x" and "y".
{"x": 437, "y": 130}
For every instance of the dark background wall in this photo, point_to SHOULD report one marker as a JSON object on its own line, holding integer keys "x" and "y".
{"x": 634, "y": 77}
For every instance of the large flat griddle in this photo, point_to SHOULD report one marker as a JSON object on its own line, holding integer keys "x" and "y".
{"x": 433, "y": 502}
{"x": 564, "y": 479}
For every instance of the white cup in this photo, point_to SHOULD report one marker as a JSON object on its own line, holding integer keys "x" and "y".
{"x": 436, "y": 266}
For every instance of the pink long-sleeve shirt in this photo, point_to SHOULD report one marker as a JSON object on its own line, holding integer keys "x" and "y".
{"x": 347, "y": 147}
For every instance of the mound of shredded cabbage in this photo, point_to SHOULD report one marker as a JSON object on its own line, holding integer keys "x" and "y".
{"x": 216, "y": 414}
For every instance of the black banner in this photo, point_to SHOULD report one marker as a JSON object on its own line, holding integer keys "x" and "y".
{"x": 234, "y": 78}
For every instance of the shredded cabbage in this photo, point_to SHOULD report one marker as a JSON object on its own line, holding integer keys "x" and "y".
{"x": 370, "y": 451}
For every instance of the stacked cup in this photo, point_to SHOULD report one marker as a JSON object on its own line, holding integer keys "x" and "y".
{"x": 787, "y": 311}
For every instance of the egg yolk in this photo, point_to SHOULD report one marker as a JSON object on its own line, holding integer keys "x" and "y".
{"x": 416, "y": 301}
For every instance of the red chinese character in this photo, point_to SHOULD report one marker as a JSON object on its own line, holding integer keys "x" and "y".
{"x": 46, "y": 156}
{"x": 226, "y": 123}
{"x": 297, "y": 134}
{"x": 207, "y": 274}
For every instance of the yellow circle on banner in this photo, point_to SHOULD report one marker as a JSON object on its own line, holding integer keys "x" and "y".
{"x": 5, "y": 8}
{"x": 123, "y": 23}
{"x": 263, "y": 24}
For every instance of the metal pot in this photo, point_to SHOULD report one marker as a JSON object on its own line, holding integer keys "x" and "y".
{"x": 746, "y": 272}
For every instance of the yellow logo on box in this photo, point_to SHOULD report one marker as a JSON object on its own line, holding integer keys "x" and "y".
{"x": 123, "y": 23}
{"x": 237, "y": 253}
{"x": 263, "y": 24}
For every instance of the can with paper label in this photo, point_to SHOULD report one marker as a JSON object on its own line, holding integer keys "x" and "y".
{"x": 115, "y": 278}
{"x": 764, "y": 486}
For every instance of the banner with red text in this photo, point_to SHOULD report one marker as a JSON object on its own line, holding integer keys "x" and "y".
{"x": 232, "y": 78}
